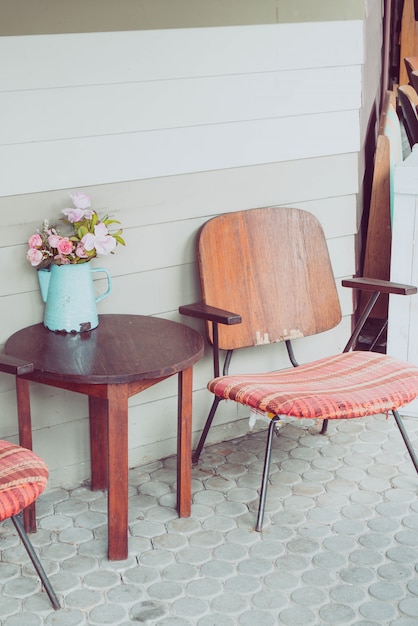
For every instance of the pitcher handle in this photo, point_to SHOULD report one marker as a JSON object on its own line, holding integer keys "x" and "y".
{"x": 109, "y": 282}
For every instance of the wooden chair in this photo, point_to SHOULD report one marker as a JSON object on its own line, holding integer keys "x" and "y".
{"x": 23, "y": 477}
{"x": 408, "y": 98}
{"x": 266, "y": 277}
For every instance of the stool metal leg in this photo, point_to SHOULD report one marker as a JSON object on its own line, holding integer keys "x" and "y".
{"x": 35, "y": 560}
{"x": 406, "y": 439}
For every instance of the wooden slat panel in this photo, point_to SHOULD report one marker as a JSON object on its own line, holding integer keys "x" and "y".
{"x": 338, "y": 216}
{"x": 342, "y": 253}
{"x": 119, "y": 57}
{"x": 49, "y": 114}
{"x": 98, "y": 160}
{"x": 157, "y": 200}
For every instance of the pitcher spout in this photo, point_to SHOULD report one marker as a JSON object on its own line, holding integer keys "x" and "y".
{"x": 44, "y": 276}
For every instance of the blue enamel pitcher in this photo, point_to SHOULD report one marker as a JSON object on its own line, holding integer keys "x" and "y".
{"x": 68, "y": 293}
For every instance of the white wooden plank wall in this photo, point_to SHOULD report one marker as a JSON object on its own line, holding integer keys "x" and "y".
{"x": 165, "y": 129}
{"x": 105, "y": 107}
{"x": 403, "y": 312}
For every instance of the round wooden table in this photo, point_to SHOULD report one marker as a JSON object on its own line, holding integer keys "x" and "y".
{"x": 124, "y": 355}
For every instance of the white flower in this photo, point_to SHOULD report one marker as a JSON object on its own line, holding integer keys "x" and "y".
{"x": 80, "y": 199}
{"x": 100, "y": 240}
{"x": 77, "y": 215}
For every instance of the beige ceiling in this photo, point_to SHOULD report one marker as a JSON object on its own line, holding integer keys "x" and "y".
{"x": 31, "y": 17}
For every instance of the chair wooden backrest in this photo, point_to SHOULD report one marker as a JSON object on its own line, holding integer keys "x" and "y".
{"x": 272, "y": 267}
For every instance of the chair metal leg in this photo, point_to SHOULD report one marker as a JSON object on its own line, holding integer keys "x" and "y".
{"x": 196, "y": 453}
{"x": 209, "y": 420}
{"x": 266, "y": 470}
{"x": 324, "y": 427}
{"x": 406, "y": 439}
{"x": 35, "y": 560}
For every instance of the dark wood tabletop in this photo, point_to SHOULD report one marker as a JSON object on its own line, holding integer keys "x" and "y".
{"x": 123, "y": 348}
{"x": 124, "y": 355}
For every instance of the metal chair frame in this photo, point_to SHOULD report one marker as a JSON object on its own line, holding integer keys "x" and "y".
{"x": 17, "y": 367}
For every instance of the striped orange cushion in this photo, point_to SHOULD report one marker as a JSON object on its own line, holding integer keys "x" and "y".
{"x": 23, "y": 477}
{"x": 352, "y": 384}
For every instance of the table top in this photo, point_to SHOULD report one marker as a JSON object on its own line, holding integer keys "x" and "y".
{"x": 122, "y": 349}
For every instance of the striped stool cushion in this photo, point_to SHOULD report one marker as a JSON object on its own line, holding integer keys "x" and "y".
{"x": 353, "y": 384}
{"x": 23, "y": 477}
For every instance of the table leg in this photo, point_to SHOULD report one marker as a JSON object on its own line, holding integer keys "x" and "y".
{"x": 184, "y": 443}
{"x": 117, "y": 428}
{"x": 98, "y": 442}
{"x": 25, "y": 440}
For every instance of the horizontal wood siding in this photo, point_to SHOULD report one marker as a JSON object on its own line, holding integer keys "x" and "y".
{"x": 166, "y": 129}
{"x": 52, "y": 61}
{"x": 105, "y": 107}
{"x": 174, "y": 151}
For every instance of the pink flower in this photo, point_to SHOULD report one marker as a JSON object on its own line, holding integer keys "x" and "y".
{"x": 63, "y": 260}
{"x": 53, "y": 240}
{"x": 77, "y": 215}
{"x": 101, "y": 240}
{"x": 81, "y": 251}
{"x": 35, "y": 241}
{"x": 34, "y": 256}
{"x": 64, "y": 246}
{"x": 80, "y": 199}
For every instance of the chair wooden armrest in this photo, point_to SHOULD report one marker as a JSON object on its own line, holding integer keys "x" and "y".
{"x": 376, "y": 286}
{"x": 210, "y": 313}
{"x": 12, "y": 365}
{"x": 382, "y": 286}
{"x": 216, "y": 316}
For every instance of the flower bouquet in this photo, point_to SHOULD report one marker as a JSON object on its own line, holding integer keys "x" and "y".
{"x": 89, "y": 238}
{"x": 65, "y": 274}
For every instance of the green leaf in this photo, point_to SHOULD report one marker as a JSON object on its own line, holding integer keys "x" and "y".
{"x": 83, "y": 230}
{"x": 119, "y": 239}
